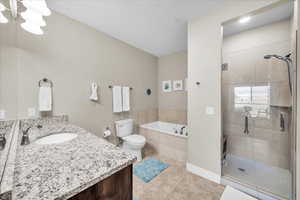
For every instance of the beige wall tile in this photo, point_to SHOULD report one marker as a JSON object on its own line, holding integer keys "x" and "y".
{"x": 173, "y": 116}
{"x": 165, "y": 145}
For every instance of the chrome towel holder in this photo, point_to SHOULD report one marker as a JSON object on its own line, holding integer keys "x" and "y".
{"x": 45, "y": 81}
{"x": 110, "y": 86}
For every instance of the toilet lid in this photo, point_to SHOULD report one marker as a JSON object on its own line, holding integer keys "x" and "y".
{"x": 136, "y": 139}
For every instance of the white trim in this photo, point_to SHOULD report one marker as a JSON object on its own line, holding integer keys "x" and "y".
{"x": 203, "y": 173}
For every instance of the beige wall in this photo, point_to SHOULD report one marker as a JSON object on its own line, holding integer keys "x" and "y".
{"x": 244, "y": 52}
{"x": 73, "y": 55}
{"x": 204, "y": 65}
{"x": 172, "y": 105}
{"x": 8, "y": 71}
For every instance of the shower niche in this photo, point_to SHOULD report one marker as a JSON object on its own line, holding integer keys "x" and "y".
{"x": 257, "y": 105}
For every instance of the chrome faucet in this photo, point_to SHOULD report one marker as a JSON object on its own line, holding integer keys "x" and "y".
{"x": 3, "y": 130}
{"x": 25, "y": 137}
{"x": 181, "y": 130}
{"x": 2, "y": 141}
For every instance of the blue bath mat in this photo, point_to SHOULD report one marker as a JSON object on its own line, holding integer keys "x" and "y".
{"x": 149, "y": 168}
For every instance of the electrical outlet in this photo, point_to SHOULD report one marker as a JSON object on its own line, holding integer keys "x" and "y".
{"x": 210, "y": 110}
{"x": 31, "y": 112}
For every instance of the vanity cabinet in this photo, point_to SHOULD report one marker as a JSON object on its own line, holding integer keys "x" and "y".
{"x": 115, "y": 187}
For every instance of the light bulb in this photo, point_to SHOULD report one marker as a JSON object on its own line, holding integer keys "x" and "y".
{"x": 2, "y": 7}
{"x": 39, "y": 6}
{"x": 33, "y": 17}
{"x": 3, "y": 19}
{"x": 32, "y": 28}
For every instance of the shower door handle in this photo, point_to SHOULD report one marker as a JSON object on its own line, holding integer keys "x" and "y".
{"x": 246, "y": 130}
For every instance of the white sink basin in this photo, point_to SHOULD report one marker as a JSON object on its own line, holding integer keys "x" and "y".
{"x": 56, "y": 138}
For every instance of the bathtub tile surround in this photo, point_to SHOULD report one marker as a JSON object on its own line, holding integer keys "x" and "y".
{"x": 266, "y": 143}
{"x": 172, "y": 116}
{"x": 163, "y": 141}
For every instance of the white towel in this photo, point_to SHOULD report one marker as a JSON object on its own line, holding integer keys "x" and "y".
{"x": 94, "y": 90}
{"x": 126, "y": 98}
{"x": 45, "y": 99}
{"x": 117, "y": 99}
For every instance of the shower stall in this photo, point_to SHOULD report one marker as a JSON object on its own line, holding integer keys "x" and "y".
{"x": 257, "y": 109}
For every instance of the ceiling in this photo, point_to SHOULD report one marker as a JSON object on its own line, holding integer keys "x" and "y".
{"x": 155, "y": 26}
{"x": 158, "y": 27}
{"x": 282, "y": 12}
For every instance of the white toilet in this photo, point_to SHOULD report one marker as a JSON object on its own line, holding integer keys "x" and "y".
{"x": 131, "y": 143}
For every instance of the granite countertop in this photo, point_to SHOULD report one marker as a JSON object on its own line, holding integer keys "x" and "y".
{"x": 60, "y": 171}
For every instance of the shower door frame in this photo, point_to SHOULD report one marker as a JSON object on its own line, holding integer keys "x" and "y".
{"x": 294, "y": 135}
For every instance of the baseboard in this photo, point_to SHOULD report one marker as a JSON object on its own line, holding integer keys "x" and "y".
{"x": 203, "y": 173}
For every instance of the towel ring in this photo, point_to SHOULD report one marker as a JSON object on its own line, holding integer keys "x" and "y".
{"x": 46, "y": 81}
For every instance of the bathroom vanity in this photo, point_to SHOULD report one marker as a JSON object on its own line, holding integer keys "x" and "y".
{"x": 82, "y": 167}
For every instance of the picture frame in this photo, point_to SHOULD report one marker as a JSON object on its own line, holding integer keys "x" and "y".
{"x": 177, "y": 85}
{"x": 167, "y": 86}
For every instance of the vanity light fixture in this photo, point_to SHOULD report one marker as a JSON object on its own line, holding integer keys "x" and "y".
{"x": 3, "y": 19}
{"x": 244, "y": 19}
{"x": 33, "y": 15}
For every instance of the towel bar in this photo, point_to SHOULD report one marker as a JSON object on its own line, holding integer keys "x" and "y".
{"x": 113, "y": 86}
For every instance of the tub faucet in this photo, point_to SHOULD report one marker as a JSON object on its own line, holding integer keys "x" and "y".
{"x": 181, "y": 130}
{"x": 25, "y": 137}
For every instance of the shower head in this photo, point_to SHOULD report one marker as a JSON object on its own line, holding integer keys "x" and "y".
{"x": 285, "y": 58}
{"x": 288, "y": 61}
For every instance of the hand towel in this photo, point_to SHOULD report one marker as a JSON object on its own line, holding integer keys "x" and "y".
{"x": 45, "y": 98}
{"x": 94, "y": 90}
{"x": 126, "y": 98}
{"x": 117, "y": 99}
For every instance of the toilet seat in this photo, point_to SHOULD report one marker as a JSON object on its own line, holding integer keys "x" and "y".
{"x": 135, "y": 139}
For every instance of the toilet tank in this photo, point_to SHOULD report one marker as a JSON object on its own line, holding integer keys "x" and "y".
{"x": 124, "y": 127}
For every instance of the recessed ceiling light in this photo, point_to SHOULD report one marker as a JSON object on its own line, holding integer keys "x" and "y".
{"x": 245, "y": 19}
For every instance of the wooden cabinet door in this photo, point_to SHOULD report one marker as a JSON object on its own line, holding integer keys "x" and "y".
{"x": 116, "y": 187}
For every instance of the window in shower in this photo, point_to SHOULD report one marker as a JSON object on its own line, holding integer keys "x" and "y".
{"x": 255, "y": 98}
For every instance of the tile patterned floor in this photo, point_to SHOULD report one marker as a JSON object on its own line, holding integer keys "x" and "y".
{"x": 175, "y": 183}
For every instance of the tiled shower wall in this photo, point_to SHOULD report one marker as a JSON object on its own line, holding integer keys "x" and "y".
{"x": 244, "y": 52}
